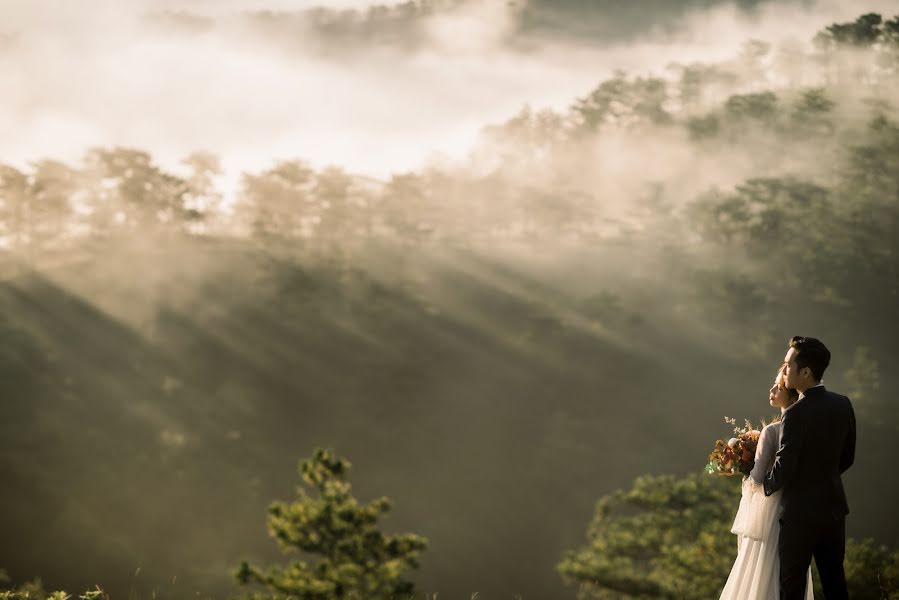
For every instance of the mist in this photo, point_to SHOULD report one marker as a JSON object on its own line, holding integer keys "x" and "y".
{"x": 116, "y": 76}
{"x": 505, "y": 257}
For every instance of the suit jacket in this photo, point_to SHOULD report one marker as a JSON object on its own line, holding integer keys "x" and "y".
{"x": 817, "y": 444}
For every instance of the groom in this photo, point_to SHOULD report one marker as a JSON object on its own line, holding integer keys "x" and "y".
{"x": 817, "y": 445}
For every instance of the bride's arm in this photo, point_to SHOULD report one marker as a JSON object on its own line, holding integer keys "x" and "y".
{"x": 764, "y": 455}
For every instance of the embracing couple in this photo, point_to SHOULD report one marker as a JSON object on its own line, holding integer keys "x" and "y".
{"x": 793, "y": 507}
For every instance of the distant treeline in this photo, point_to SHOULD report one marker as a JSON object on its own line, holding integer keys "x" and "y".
{"x": 787, "y": 102}
{"x": 767, "y": 178}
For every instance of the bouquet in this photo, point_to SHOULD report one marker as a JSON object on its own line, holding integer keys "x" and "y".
{"x": 736, "y": 456}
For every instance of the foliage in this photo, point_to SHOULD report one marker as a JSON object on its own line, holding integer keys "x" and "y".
{"x": 872, "y": 571}
{"x": 34, "y": 590}
{"x": 866, "y": 30}
{"x": 356, "y": 561}
{"x": 670, "y": 537}
{"x": 663, "y": 538}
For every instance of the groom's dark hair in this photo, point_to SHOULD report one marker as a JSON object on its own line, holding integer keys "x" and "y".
{"x": 811, "y": 353}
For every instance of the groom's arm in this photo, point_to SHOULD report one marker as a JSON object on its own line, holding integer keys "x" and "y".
{"x": 848, "y": 455}
{"x": 786, "y": 461}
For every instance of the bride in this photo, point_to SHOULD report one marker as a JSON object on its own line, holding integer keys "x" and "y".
{"x": 755, "y": 572}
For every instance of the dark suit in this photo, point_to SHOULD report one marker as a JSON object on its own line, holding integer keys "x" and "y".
{"x": 817, "y": 444}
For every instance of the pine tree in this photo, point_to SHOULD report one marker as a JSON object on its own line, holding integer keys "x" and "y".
{"x": 669, "y": 537}
{"x": 357, "y": 561}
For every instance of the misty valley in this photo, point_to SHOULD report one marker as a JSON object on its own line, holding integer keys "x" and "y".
{"x": 494, "y": 378}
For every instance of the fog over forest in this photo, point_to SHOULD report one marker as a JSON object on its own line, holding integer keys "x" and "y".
{"x": 505, "y": 257}
{"x": 253, "y": 82}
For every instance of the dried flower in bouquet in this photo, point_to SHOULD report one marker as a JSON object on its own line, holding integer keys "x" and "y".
{"x": 736, "y": 456}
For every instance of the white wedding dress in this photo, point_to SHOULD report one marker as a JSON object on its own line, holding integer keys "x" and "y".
{"x": 755, "y": 574}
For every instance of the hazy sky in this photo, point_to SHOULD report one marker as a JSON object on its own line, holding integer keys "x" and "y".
{"x": 76, "y": 75}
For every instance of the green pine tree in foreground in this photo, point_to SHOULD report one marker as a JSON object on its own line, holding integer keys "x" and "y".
{"x": 670, "y": 538}
{"x": 355, "y": 560}
{"x": 663, "y": 538}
